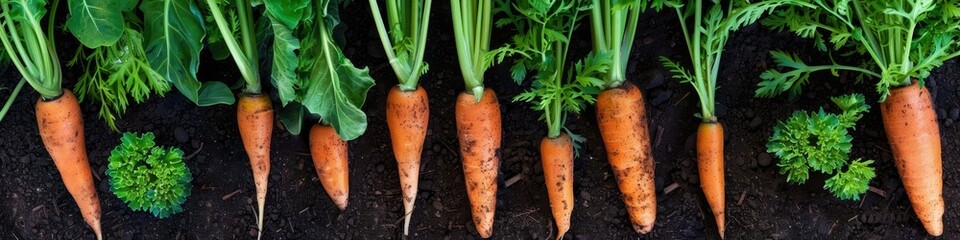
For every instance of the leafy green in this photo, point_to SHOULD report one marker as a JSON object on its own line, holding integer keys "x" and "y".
{"x": 821, "y": 141}
{"x": 904, "y": 40}
{"x": 96, "y": 23}
{"x": 545, "y": 27}
{"x": 239, "y": 37}
{"x": 406, "y": 44}
{"x": 174, "y": 33}
{"x": 28, "y": 46}
{"x": 614, "y": 25}
{"x": 311, "y": 72}
{"x": 149, "y": 177}
{"x": 115, "y": 74}
{"x": 707, "y": 36}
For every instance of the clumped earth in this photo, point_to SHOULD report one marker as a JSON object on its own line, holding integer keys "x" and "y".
{"x": 760, "y": 204}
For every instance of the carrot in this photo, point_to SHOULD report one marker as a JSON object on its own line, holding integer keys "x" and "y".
{"x": 255, "y": 119}
{"x": 479, "y": 130}
{"x": 623, "y": 126}
{"x": 329, "y": 154}
{"x": 61, "y": 128}
{"x": 914, "y": 136}
{"x": 407, "y": 115}
{"x": 710, "y": 162}
{"x": 557, "y": 157}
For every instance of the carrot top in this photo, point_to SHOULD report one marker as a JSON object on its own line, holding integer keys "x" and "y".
{"x": 705, "y": 40}
{"x": 614, "y": 25}
{"x": 543, "y": 41}
{"x": 28, "y": 46}
{"x": 471, "y": 31}
{"x": 904, "y": 39}
{"x": 407, "y": 39}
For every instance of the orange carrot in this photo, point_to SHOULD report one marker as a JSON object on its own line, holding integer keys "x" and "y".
{"x": 914, "y": 136}
{"x": 710, "y": 162}
{"x": 329, "y": 154}
{"x": 255, "y": 120}
{"x": 556, "y": 154}
{"x": 407, "y": 115}
{"x": 623, "y": 126}
{"x": 479, "y": 130}
{"x": 61, "y": 128}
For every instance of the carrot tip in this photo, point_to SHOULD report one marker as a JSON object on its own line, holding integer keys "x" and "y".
{"x": 643, "y": 229}
{"x": 341, "y": 202}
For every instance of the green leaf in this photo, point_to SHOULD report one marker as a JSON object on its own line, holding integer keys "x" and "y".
{"x": 213, "y": 93}
{"x": 292, "y": 117}
{"x": 95, "y": 22}
{"x": 174, "y": 33}
{"x": 332, "y": 87}
{"x": 285, "y": 61}
{"x": 849, "y": 185}
{"x": 148, "y": 177}
{"x": 286, "y": 12}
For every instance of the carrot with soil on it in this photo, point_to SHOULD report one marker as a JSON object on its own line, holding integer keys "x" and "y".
{"x": 906, "y": 41}
{"x": 705, "y": 39}
{"x": 478, "y": 120}
{"x": 329, "y": 154}
{"x": 254, "y": 110}
{"x": 621, "y": 112}
{"x": 543, "y": 42}
{"x": 59, "y": 119}
{"x": 408, "y": 110}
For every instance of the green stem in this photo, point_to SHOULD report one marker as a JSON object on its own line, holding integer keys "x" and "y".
{"x": 236, "y": 51}
{"x": 13, "y": 95}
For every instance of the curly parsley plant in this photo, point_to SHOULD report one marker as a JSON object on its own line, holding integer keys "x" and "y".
{"x": 149, "y": 177}
{"x": 820, "y": 141}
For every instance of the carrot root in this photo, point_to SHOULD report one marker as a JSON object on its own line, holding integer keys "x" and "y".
{"x": 329, "y": 154}
{"x": 557, "y": 157}
{"x": 710, "y": 163}
{"x": 914, "y": 135}
{"x": 255, "y": 120}
{"x": 479, "y": 132}
{"x": 623, "y": 126}
{"x": 61, "y": 128}
{"x": 407, "y": 116}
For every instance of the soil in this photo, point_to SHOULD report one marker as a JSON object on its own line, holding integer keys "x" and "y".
{"x": 760, "y": 204}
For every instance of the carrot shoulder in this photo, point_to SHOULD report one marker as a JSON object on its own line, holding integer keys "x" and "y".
{"x": 914, "y": 136}
{"x": 623, "y": 126}
{"x": 407, "y": 116}
{"x": 61, "y": 128}
{"x": 710, "y": 163}
{"x": 329, "y": 153}
{"x": 479, "y": 132}
{"x": 255, "y": 120}
{"x": 556, "y": 154}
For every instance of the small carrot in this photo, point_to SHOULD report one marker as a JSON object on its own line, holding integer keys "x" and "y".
{"x": 623, "y": 126}
{"x": 556, "y": 154}
{"x": 710, "y": 163}
{"x": 329, "y": 154}
{"x": 61, "y": 128}
{"x": 255, "y": 120}
{"x": 407, "y": 115}
{"x": 914, "y": 136}
{"x": 479, "y": 131}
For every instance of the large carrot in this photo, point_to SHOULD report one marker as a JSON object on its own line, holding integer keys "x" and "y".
{"x": 479, "y": 130}
{"x": 623, "y": 126}
{"x": 61, "y": 128}
{"x": 329, "y": 154}
{"x": 407, "y": 115}
{"x": 556, "y": 154}
{"x": 255, "y": 119}
{"x": 710, "y": 163}
{"x": 914, "y": 136}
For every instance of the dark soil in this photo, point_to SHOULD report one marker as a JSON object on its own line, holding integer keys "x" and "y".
{"x": 760, "y": 204}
